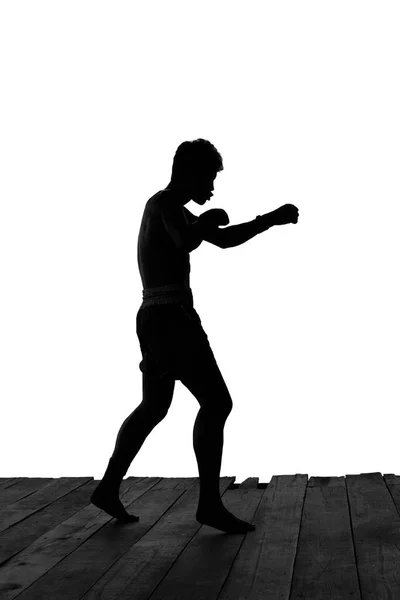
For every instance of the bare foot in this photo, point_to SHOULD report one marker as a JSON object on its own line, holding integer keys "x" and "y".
{"x": 111, "y": 504}
{"x": 222, "y": 519}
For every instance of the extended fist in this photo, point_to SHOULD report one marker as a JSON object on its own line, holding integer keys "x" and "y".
{"x": 214, "y": 217}
{"x": 288, "y": 213}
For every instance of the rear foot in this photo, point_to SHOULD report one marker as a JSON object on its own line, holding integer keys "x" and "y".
{"x": 222, "y": 519}
{"x": 111, "y": 504}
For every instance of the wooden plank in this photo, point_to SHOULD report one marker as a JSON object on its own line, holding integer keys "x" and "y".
{"x": 138, "y": 572}
{"x": 52, "y": 566}
{"x": 82, "y": 553}
{"x": 325, "y": 565}
{"x": 51, "y": 548}
{"x": 18, "y": 537}
{"x": 250, "y": 483}
{"x": 376, "y": 532}
{"x": 20, "y": 489}
{"x": 264, "y": 564}
{"x": 7, "y": 481}
{"x": 25, "y": 507}
{"x": 391, "y": 479}
{"x": 201, "y": 568}
{"x": 393, "y": 485}
{"x": 79, "y": 571}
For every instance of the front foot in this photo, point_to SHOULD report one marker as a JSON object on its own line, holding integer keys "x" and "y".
{"x": 104, "y": 499}
{"x": 222, "y": 519}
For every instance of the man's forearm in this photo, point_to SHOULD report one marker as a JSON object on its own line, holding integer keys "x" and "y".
{"x": 235, "y": 235}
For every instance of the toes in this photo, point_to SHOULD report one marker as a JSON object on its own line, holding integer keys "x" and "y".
{"x": 127, "y": 518}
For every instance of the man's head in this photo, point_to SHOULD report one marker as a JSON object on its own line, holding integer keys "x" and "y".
{"x": 195, "y": 167}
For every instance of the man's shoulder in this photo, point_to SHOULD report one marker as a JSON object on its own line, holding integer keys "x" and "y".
{"x": 163, "y": 203}
{"x": 158, "y": 201}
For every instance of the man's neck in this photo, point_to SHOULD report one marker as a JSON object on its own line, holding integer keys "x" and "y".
{"x": 180, "y": 194}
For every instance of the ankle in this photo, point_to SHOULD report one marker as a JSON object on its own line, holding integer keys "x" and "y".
{"x": 110, "y": 484}
{"x": 210, "y": 502}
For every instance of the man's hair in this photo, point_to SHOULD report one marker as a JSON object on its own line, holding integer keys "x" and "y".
{"x": 198, "y": 156}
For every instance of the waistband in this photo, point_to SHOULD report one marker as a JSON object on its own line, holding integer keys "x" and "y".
{"x": 174, "y": 293}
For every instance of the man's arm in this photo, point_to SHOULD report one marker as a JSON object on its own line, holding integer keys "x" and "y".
{"x": 189, "y": 236}
{"x": 234, "y": 235}
{"x": 238, "y": 234}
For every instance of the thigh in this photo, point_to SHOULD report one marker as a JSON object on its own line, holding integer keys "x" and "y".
{"x": 157, "y": 393}
{"x": 203, "y": 378}
{"x": 175, "y": 346}
{"x": 164, "y": 335}
{"x": 153, "y": 328}
{"x": 172, "y": 339}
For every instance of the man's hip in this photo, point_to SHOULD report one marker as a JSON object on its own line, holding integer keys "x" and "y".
{"x": 172, "y": 339}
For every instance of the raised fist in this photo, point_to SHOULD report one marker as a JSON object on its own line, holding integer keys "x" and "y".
{"x": 288, "y": 213}
{"x": 214, "y": 217}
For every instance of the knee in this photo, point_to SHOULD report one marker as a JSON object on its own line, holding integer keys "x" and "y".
{"x": 227, "y": 407}
{"x": 220, "y": 407}
{"x": 227, "y": 404}
{"x": 153, "y": 415}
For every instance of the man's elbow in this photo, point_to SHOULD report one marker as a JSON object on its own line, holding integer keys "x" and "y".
{"x": 224, "y": 239}
{"x": 193, "y": 244}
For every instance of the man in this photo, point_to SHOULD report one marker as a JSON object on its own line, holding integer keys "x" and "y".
{"x": 173, "y": 342}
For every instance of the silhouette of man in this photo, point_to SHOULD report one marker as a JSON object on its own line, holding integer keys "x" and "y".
{"x": 173, "y": 342}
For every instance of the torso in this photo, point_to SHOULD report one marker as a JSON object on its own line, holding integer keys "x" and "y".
{"x": 160, "y": 262}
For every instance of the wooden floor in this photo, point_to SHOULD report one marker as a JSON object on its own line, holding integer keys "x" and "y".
{"x": 323, "y": 537}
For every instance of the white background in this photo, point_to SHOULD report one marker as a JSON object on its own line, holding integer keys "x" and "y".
{"x": 302, "y": 100}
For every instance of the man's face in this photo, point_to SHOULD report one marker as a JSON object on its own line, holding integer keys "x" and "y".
{"x": 202, "y": 187}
